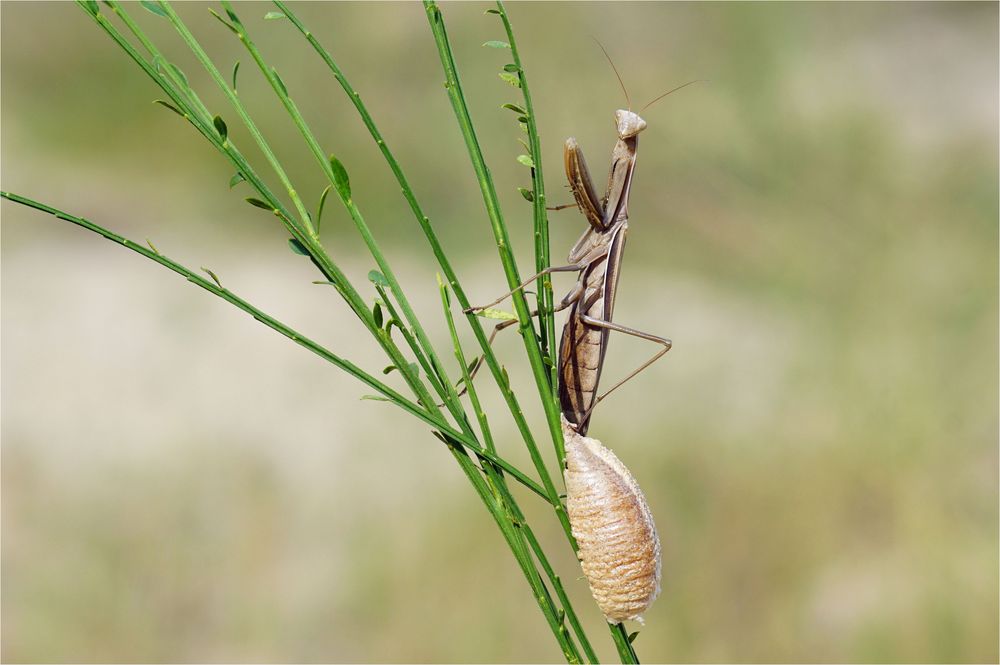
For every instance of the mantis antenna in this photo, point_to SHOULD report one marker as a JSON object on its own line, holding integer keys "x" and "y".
{"x": 670, "y": 91}
{"x": 622, "y": 83}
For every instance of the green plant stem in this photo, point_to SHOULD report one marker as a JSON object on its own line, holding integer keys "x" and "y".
{"x": 625, "y": 651}
{"x": 526, "y": 328}
{"x": 491, "y": 488}
{"x": 542, "y": 595}
{"x": 511, "y": 533}
{"x": 265, "y": 147}
{"x": 448, "y": 394}
{"x": 546, "y": 317}
{"x": 453, "y": 85}
{"x": 308, "y": 239}
{"x": 491, "y": 361}
{"x": 529, "y": 535}
{"x": 290, "y": 333}
{"x": 418, "y": 353}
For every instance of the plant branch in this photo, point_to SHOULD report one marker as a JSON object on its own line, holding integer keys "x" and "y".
{"x": 526, "y": 328}
{"x": 492, "y": 362}
{"x": 276, "y": 325}
{"x": 546, "y": 317}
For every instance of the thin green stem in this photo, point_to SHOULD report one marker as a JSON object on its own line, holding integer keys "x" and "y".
{"x": 513, "y": 534}
{"x": 432, "y": 374}
{"x": 491, "y": 361}
{"x": 625, "y": 651}
{"x": 526, "y": 328}
{"x": 303, "y": 230}
{"x": 464, "y": 364}
{"x": 543, "y": 260}
{"x": 265, "y": 147}
{"x": 448, "y": 393}
{"x": 507, "y": 498}
{"x": 557, "y": 584}
{"x": 290, "y": 333}
{"x": 500, "y": 515}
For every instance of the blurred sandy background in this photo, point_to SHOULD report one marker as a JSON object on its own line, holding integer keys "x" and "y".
{"x": 815, "y": 228}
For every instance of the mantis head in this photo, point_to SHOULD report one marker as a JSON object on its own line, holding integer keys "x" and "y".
{"x": 629, "y": 123}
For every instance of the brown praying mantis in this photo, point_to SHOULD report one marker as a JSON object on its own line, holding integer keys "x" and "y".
{"x": 597, "y": 257}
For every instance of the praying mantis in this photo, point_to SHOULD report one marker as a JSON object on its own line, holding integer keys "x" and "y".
{"x": 597, "y": 257}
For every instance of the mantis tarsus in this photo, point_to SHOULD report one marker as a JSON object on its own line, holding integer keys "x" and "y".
{"x": 597, "y": 256}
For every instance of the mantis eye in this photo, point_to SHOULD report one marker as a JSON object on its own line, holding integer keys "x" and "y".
{"x": 610, "y": 519}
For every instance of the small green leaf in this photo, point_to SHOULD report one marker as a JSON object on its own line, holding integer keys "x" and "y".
{"x": 297, "y": 247}
{"x": 236, "y": 179}
{"x": 224, "y": 21}
{"x": 177, "y": 74}
{"x": 236, "y": 68}
{"x": 515, "y": 108}
{"x": 527, "y": 194}
{"x": 270, "y": 16}
{"x": 632, "y": 636}
{"x": 260, "y": 204}
{"x": 322, "y": 202}
{"x": 511, "y": 78}
{"x": 496, "y": 44}
{"x": 232, "y": 15}
{"x": 281, "y": 84}
{"x": 169, "y": 106}
{"x": 154, "y": 7}
{"x": 445, "y": 294}
{"x": 489, "y": 313}
{"x": 526, "y": 160}
{"x": 152, "y": 246}
{"x": 511, "y": 68}
{"x": 492, "y": 11}
{"x": 375, "y": 277}
{"x": 92, "y": 7}
{"x": 376, "y": 398}
{"x": 506, "y": 377}
{"x": 340, "y": 179}
{"x": 377, "y": 315}
{"x": 390, "y": 368}
{"x": 522, "y": 119}
{"x": 220, "y": 126}
{"x": 213, "y": 276}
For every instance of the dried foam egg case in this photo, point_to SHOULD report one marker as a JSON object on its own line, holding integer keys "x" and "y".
{"x": 619, "y": 548}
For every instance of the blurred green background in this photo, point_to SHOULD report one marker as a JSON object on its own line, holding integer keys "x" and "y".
{"x": 815, "y": 228}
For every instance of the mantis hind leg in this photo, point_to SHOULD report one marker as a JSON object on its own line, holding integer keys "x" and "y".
{"x": 608, "y": 325}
